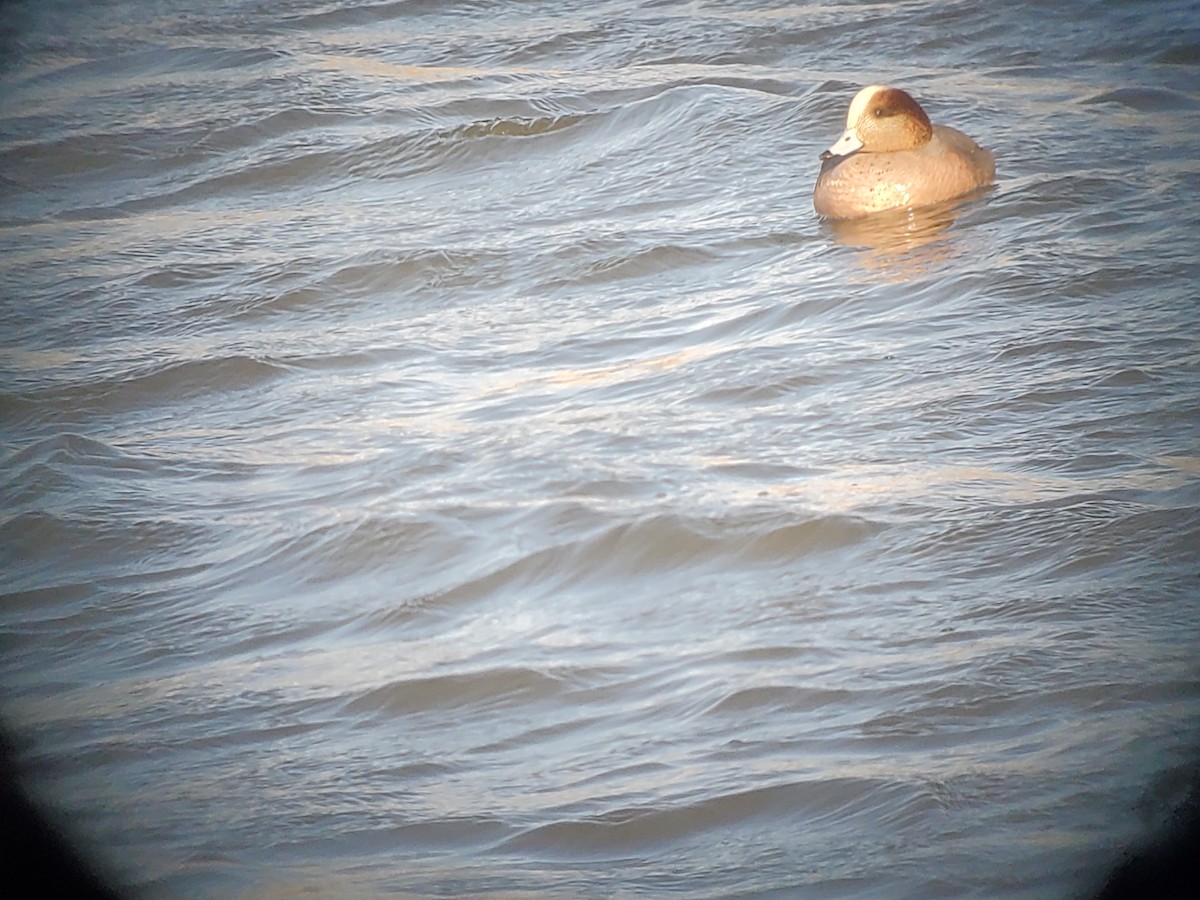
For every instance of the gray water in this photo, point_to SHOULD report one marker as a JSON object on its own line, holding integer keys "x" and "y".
{"x": 443, "y": 453}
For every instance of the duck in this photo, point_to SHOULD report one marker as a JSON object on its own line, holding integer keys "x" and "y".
{"x": 892, "y": 157}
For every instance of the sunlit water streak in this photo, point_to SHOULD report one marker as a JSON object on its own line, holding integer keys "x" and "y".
{"x": 444, "y": 454}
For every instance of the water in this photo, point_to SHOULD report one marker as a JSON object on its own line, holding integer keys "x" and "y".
{"x": 444, "y": 454}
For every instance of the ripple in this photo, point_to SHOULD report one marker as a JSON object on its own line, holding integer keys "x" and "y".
{"x": 443, "y": 452}
{"x": 484, "y": 688}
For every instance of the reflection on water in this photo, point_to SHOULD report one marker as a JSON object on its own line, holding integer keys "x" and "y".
{"x": 904, "y": 243}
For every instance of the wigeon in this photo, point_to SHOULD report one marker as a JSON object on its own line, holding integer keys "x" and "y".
{"x": 891, "y": 156}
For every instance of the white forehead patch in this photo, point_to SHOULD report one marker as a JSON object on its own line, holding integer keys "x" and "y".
{"x": 860, "y": 102}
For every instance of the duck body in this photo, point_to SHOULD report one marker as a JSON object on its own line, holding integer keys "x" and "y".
{"x": 891, "y": 157}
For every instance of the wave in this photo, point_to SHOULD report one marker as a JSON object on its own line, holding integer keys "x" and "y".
{"x": 432, "y": 693}
{"x": 836, "y": 803}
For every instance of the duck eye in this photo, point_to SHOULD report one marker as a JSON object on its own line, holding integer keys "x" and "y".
{"x": 878, "y": 111}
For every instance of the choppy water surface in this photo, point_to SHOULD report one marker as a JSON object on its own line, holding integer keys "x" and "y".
{"x": 444, "y": 454}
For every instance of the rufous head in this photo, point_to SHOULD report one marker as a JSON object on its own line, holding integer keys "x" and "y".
{"x": 882, "y": 119}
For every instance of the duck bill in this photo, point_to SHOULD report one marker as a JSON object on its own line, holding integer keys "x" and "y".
{"x": 844, "y": 146}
